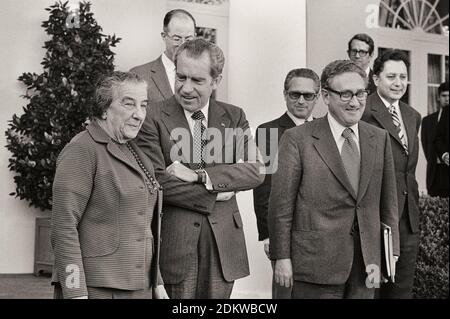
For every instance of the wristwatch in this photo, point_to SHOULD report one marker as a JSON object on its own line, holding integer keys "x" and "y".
{"x": 201, "y": 176}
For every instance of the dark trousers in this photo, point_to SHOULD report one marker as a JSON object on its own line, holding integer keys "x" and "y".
{"x": 354, "y": 288}
{"x": 440, "y": 186}
{"x": 406, "y": 264}
{"x": 279, "y": 292}
{"x": 204, "y": 279}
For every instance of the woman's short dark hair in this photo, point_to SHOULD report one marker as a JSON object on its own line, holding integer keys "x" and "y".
{"x": 106, "y": 86}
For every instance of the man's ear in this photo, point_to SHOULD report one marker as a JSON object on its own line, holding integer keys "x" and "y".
{"x": 216, "y": 81}
{"x": 326, "y": 97}
{"x": 376, "y": 79}
{"x": 163, "y": 35}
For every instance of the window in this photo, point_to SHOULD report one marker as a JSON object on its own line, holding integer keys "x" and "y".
{"x": 416, "y": 15}
{"x": 437, "y": 73}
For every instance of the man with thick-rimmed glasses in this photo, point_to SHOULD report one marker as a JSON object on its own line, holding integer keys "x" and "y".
{"x": 361, "y": 51}
{"x": 301, "y": 91}
{"x": 178, "y": 27}
{"x": 334, "y": 186}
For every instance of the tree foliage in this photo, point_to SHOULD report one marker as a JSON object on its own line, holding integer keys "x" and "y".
{"x": 60, "y": 99}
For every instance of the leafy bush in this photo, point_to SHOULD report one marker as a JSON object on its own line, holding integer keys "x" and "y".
{"x": 432, "y": 280}
{"x": 60, "y": 99}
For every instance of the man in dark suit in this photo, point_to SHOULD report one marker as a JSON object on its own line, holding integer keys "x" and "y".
{"x": 441, "y": 141}
{"x": 178, "y": 26}
{"x": 437, "y": 170}
{"x": 334, "y": 185}
{"x": 361, "y": 50}
{"x": 203, "y": 153}
{"x": 384, "y": 109}
{"x": 301, "y": 90}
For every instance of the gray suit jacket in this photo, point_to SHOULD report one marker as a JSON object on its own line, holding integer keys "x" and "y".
{"x": 185, "y": 203}
{"x": 98, "y": 218}
{"x": 312, "y": 204}
{"x": 405, "y": 165}
{"x": 158, "y": 85}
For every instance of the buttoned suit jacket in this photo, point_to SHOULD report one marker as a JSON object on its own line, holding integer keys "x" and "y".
{"x": 428, "y": 135}
{"x": 313, "y": 205}
{"x": 262, "y": 192}
{"x": 158, "y": 84}
{"x": 185, "y": 203}
{"x": 99, "y": 195}
{"x": 376, "y": 113}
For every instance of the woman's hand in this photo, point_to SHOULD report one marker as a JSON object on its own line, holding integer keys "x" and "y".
{"x": 160, "y": 292}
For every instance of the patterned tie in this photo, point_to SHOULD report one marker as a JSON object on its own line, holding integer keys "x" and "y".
{"x": 199, "y": 142}
{"x": 398, "y": 126}
{"x": 351, "y": 158}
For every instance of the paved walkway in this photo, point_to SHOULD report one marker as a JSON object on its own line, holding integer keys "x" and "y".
{"x": 25, "y": 287}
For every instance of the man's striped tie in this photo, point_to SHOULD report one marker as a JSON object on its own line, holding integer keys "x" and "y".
{"x": 398, "y": 126}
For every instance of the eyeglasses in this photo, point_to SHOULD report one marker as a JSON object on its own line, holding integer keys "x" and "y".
{"x": 347, "y": 96}
{"x": 362, "y": 53}
{"x": 177, "y": 39}
{"x": 294, "y": 96}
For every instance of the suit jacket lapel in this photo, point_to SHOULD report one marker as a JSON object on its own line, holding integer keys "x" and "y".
{"x": 173, "y": 118}
{"x": 285, "y": 121}
{"x": 217, "y": 119}
{"x": 382, "y": 115}
{"x": 409, "y": 124}
{"x": 366, "y": 146}
{"x": 328, "y": 151}
{"x": 159, "y": 77}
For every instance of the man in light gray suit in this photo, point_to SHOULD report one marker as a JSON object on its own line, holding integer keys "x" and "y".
{"x": 178, "y": 26}
{"x": 203, "y": 245}
{"x": 335, "y": 184}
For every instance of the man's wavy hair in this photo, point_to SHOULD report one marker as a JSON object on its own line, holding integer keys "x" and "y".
{"x": 195, "y": 48}
{"x": 338, "y": 67}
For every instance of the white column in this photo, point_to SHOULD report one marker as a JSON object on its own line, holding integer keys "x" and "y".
{"x": 266, "y": 40}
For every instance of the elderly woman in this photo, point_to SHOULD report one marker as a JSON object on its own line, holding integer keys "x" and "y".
{"x": 107, "y": 203}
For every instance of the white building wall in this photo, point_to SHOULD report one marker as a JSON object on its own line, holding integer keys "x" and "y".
{"x": 266, "y": 40}
{"x": 138, "y": 23}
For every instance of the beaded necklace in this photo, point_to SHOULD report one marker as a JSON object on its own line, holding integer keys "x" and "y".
{"x": 152, "y": 186}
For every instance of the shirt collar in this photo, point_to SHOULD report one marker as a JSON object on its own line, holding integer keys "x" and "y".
{"x": 298, "y": 121}
{"x": 368, "y": 71}
{"x": 337, "y": 128}
{"x": 168, "y": 64}
{"x": 387, "y": 104}
{"x": 204, "y": 109}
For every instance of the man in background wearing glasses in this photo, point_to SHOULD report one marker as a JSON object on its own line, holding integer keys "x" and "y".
{"x": 384, "y": 109}
{"x": 301, "y": 90}
{"x": 335, "y": 183}
{"x": 178, "y": 27}
{"x": 360, "y": 50}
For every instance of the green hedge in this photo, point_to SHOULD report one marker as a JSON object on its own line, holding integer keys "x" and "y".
{"x": 431, "y": 280}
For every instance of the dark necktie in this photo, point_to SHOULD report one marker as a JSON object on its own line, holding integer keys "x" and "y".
{"x": 398, "y": 126}
{"x": 351, "y": 158}
{"x": 199, "y": 142}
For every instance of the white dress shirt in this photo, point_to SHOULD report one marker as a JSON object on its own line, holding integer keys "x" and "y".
{"x": 169, "y": 66}
{"x": 337, "y": 129}
{"x": 397, "y": 109}
{"x": 298, "y": 121}
{"x": 191, "y": 123}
